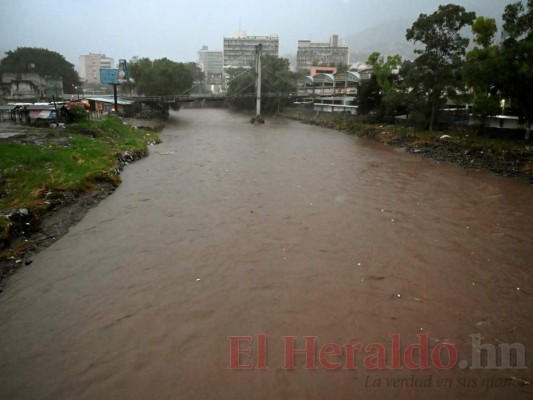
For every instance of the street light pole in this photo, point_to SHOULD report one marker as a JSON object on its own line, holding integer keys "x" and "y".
{"x": 115, "y": 97}
{"x": 258, "y": 54}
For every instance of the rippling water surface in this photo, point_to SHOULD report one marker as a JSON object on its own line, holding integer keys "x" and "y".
{"x": 282, "y": 229}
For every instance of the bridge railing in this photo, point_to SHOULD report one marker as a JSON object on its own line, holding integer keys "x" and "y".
{"x": 192, "y": 97}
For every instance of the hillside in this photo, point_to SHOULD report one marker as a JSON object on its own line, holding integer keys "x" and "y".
{"x": 387, "y": 38}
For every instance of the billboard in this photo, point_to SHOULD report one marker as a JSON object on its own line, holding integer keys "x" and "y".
{"x": 109, "y": 76}
{"x": 123, "y": 73}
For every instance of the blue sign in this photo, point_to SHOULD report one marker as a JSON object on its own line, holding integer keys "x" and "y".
{"x": 109, "y": 76}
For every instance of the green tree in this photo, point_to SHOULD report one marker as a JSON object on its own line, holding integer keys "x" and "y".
{"x": 276, "y": 80}
{"x": 504, "y": 71}
{"x": 369, "y": 95}
{"x": 391, "y": 92}
{"x": 416, "y": 97}
{"x": 481, "y": 70}
{"x": 440, "y": 63}
{"x": 515, "y": 73}
{"x": 198, "y": 76}
{"x": 241, "y": 88}
{"x": 161, "y": 77}
{"x": 42, "y": 61}
{"x": 484, "y": 30}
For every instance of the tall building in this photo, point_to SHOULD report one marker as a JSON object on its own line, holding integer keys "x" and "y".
{"x": 239, "y": 50}
{"x": 210, "y": 62}
{"x": 212, "y": 65}
{"x": 90, "y": 65}
{"x": 320, "y": 54}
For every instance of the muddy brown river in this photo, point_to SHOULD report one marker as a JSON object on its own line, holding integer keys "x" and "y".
{"x": 280, "y": 261}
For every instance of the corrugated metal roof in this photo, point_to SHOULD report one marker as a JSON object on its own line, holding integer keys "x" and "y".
{"x": 8, "y": 107}
{"x": 307, "y": 80}
{"x": 327, "y": 78}
{"x": 40, "y": 107}
{"x": 347, "y": 76}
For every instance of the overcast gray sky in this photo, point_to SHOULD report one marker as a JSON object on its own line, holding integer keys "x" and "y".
{"x": 177, "y": 29}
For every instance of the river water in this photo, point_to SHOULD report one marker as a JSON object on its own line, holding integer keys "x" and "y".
{"x": 231, "y": 229}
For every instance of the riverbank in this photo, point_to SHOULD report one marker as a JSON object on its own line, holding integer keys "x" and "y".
{"x": 504, "y": 157}
{"x": 272, "y": 231}
{"x": 46, "y": 205}
{"x": 49, "y": 179}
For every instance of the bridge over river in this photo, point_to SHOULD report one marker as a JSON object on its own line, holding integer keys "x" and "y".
{"x": 164, "y": 103}
{"x": 212, "y": 97}
{"x": 233, "y": 244}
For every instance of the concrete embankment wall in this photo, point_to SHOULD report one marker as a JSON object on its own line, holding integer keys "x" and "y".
{"x": 322, "y": 117}
{"x": 305, "y": 114}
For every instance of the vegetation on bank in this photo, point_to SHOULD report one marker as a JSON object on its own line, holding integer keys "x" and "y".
{"x": 494, "y": 77}
{"x": 39, "y": 169}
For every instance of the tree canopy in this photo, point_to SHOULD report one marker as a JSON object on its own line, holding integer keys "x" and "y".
{"x": 161, "y": 77}
{"x": 276, "y": 78}
{"x": 383, "y": 93}
{"x": 439, "y": 63}
{"x": 504, "y": 71}
{"x": 516, "y": 77}
{"x": 41, "y": 61}
{"x": 481, "y": 68}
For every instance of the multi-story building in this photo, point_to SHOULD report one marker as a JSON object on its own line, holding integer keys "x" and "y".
{"x": 239, "y": 50}
{"x": 90, "y": 65}
{"x": 211, "y": 62}
{"x": 212, "y": 65}
{"x": 320, "y": 54}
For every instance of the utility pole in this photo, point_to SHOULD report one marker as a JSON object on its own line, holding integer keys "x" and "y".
{"x": 115, "y": 97}
{"x": 258, "y": 54}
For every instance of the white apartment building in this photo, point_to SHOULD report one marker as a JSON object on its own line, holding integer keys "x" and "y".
{"x": 239, "y": 50}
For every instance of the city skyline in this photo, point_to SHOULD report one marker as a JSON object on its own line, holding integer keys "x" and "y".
{"x": 178, "y": 29}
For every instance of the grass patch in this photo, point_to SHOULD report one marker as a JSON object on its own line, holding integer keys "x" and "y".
{"x": 49, "y": 164}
